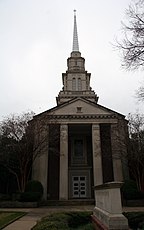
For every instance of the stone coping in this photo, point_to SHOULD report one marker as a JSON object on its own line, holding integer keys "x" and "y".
{"x": 109, "y": 185}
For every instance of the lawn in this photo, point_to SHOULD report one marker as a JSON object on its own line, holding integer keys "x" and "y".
{"x": 8, "y": 217}
{"x": 66, "y": 221}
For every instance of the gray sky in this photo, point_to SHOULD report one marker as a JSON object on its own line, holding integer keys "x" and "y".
{"x": 36, "y": 40}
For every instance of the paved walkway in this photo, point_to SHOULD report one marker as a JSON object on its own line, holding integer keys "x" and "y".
{"x": 33, "y": 215}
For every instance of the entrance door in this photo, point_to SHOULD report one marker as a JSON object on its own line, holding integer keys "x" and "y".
{"x": 79, "y": 186}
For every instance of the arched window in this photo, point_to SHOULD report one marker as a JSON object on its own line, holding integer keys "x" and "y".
{"x": 74, "y": 84}
{"x": 79, "y": 84}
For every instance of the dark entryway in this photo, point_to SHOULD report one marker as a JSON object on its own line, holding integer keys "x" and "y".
{"x": 80, "y": 161}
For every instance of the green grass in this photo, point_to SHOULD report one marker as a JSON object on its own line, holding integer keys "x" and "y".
{"x": 66, "y": 221}
{"x": 8, "y": 217}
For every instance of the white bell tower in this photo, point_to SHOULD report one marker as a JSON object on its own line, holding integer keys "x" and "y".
{"x": 76, "y": 81}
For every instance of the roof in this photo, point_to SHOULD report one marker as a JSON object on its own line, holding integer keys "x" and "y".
{"x": 89, "y": 108}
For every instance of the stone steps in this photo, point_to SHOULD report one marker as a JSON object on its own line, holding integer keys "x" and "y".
{"x": 77, "y": 202}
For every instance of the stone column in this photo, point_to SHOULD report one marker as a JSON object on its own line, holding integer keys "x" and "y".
{"x": 63, "y": 190}
{"x": 97, "y": 161}
{"x": 40, "y": 164}
{"x": 116, "y": 154}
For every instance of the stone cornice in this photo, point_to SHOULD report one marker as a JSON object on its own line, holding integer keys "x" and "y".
{"x": 82, "y": 116}
{"x": 109, "y": 185}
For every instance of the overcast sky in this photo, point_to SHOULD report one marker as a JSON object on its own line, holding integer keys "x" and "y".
{"x": 36, "y": 40}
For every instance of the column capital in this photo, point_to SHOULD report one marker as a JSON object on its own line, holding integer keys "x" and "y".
{"x": 64, "y": 127}
{"x": 95, "y": 126}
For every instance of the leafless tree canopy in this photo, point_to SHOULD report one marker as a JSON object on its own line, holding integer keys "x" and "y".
{"x": 16, "y": 146}
{"x": 136, "y": 148}
{"x": 23, "y": 139}
{"x": 14, "y": 126}
{"x": 140, "y": 93}
{"x": 132, "y": 45}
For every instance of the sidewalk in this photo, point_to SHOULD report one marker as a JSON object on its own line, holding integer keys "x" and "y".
{"x": 33, "y": 215}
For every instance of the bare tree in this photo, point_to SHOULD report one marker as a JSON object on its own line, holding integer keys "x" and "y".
{"x": 132, "y": 45}
{"x": 21, "y": 142}
{"x": 136, "y": 149}
{"x": 140, "y": 93}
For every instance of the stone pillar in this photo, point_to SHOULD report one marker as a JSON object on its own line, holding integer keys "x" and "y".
{"x": 40, "y": 164}
{"x": 97, "y": 161}
{"x": 107, "y": 213}
{"x": 63, "y": 190}
{"x": 116, "y": 154}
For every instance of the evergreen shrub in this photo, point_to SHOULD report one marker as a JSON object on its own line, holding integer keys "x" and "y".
{"x": 130, "y": 191}
{"x": 30, "y": 196}
{"x": 34, "y": 186}
{"x": 5, "y": 197}
{"x": 65, "y": 221}
{"x": 33, "y": 191}
{"x": 135, "y": 219}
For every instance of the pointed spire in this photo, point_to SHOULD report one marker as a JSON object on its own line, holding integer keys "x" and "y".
{"x": 75, "y": 35}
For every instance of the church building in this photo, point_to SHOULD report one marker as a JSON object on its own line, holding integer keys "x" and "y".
{"x": 85, "y": 142}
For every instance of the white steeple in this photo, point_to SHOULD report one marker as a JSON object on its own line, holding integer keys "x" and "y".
{"x": 76, "y": 80}
{"x": 75, "y": 35}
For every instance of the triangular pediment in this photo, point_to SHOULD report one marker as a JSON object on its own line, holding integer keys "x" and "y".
{"x": 80, "y": 106}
